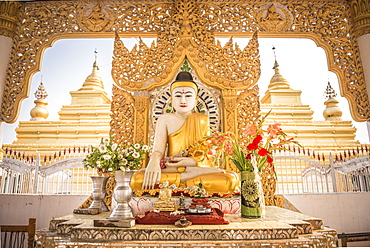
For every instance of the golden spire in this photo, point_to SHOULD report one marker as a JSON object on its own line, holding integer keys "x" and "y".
{"x": 332, "y": 111}
{"x": 277, "y": 81}
{"x": 93, "y": 81}
{"x": 39, "y": 112}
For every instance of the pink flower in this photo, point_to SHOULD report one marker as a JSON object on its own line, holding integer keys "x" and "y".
{"x": 274, "y": 130}
{"x": 251, "y": 130}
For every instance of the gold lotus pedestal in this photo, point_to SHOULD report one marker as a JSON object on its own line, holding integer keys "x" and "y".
{"x": 280, "y": 228}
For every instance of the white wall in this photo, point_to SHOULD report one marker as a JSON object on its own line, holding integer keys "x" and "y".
{"x": 17, "y": 209}
{"x": 345, "y": 212}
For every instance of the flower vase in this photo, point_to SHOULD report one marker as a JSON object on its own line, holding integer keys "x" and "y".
{"x": 99, "y": 192}
{"x": 250, "y": 202}
{"x": 122, "y": 195}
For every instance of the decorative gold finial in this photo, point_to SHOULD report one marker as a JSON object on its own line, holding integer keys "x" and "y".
{"x": 277, "y": 81}
{"x": 93, "y": 81}
{"x": 276, "y": 65}
{"x": 95, "y": 65}
{"x": 39, "y": 112}
{"x": 41, "y": 92}
{"x": 329, "y": 92}
{"x": 332, "y": 111}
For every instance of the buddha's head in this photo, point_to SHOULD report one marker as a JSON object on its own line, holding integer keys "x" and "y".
{"x": 184, "y": 93}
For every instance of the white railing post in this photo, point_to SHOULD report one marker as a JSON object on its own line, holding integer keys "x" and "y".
{"x": 37, "y": 169}
{"x": 361, "y": 183}
{"x": 332, "y": 172}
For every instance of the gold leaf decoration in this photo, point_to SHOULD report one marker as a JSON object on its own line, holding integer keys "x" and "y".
{"x": 123, "y": 122}
{"x": 328, "y": 23}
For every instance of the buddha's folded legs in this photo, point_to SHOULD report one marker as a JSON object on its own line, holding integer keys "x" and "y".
{"x": 171, "y": 177}
{"x": 214, "y": 182}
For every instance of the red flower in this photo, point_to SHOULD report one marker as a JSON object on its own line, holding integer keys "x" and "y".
{"x": 249, "y": 156}
{"x": 269, "y": 159}
{"x": 252, "y": 146}
{"x": 263, "y": 152}
{"x": 257, "y": 139}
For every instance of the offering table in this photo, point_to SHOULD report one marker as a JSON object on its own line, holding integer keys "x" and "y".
{"x": 280, "y": 227}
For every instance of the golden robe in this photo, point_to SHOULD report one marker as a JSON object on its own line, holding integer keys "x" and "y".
{"x": 191, "y": 132}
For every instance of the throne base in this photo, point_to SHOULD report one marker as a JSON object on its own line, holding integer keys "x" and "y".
{"x": 280, "y": 228}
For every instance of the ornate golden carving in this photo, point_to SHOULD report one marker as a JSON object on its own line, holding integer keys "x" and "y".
{"x": 9, "y": 18}
{"x": 269, "y": 187}
{"x": 327, "y": 23}
{"x": 229, "y": 108}
{"x": 361, "y": 17}
{"x": 141, "y": 114}
{"x": 123, "y": 117}
{"x": 96, "y": 19}
{"x": 248, "y": 108}
{"x": 274, "y": 17}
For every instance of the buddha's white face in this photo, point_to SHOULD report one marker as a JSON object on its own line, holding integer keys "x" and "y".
{"x": 183, "y": 99}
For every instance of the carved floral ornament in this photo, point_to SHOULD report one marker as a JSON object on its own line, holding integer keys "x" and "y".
{"x": 327, "y": 22}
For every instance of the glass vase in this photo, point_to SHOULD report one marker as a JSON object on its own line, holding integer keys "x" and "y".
{"x": 123, "y": 195}
{"x": 250, "y": 202}
{"x": 99, "y": 192}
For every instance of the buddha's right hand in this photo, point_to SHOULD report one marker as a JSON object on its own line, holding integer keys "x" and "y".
{"x": 152, "y": 176}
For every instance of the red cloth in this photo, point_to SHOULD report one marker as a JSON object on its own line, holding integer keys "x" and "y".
{"x": 164, "y": 218}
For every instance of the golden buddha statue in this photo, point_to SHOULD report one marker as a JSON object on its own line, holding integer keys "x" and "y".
{"x": 177, "y": 132}
{"x": 164, "y": 202}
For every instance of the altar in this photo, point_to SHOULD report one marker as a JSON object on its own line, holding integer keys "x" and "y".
{"x": 280, "y": 228}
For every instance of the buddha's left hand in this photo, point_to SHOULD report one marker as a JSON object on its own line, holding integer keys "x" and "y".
{"x": 181, "y": 162}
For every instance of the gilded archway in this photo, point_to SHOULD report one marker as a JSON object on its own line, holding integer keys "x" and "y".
{"x": 332, "y": 24}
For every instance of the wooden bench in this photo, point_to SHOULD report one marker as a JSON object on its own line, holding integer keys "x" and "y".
{"x": 14, "y": 236}
{"x": 353, "y": 237}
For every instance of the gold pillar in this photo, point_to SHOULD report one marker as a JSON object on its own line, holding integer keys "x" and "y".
{"x": 229, "y": 110}
{"x": 141, "y": 116}
{"x": 360, "y": 11}
{"x": 9, "y": 18}
{"x": 229, "y": 117}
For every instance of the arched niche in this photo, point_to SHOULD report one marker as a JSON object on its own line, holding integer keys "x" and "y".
{"x": 40, "y": 23}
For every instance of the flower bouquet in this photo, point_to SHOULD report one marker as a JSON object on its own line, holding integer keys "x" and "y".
{"x": 109, "y": 157}
{"x": 249, "y": 155}
{"x": 255, "y": 143}
{"x": 123, "y": 161}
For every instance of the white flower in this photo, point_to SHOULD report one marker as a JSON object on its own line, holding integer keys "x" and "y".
{"x": 106, "y": 140}
{"x": 122, "y": 168}
{"x": 120, "y": 156}
{"x": 131, "y": 163}
{"x": 110, "y": 169}
{"x": 137, "y": 146}
{"x": 275, "y": 141}
{"x": 124, "y": 161}
{"x": 98, "y": 164}
{"x": 102, "y": 148}
{"x": 136, "y": 155}
{"x": 114, "y": 146}
{"x": 107, "y": 157}
{"x": 124, "y": 152}
{"x": 130, "y": 149}
{"x": 145, "y": 147}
